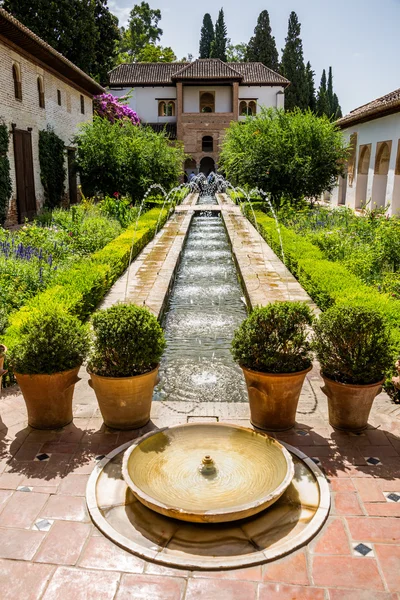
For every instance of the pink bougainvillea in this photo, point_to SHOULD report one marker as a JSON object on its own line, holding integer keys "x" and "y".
{"x": 112, "y": 108}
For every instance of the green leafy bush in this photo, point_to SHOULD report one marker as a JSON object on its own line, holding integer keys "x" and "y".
{"x": 5, "y": 179}
{"x": 353, "y": 345}
{"x": 49, "y": 341}
{"x": 273, "y": 339}
{"x": 52, "y": 168}
{"x": 128, "y": 341}
{"x": 286, "y": 154}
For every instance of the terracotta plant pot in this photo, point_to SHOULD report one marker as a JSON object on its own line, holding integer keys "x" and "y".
{"x": 349, "y": 405}
{"x": 48, "y": 398}
{"x": 274, "y": 398}
{"x": 125, "y": 402}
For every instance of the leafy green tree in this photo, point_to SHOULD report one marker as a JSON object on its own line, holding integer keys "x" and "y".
{"x": 312, "y": 101}
{"x": 262, "y": 46}
{"x": 289, "y": 155}
{"x": 206, "y": 37}
{"x": 126, "y": 158}
{"x": 237, "y": 52}
{"x": 220, "y": 42}
{"x": 323, "y": 107}
{"x": 292, "y": 67}
{"x": 152, "y": 53}
{"x": 106, "y": 48}
{"x": 142, "y": 29}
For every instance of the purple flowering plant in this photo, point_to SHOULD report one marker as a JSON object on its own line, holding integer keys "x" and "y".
{"x": 114, "y": 109}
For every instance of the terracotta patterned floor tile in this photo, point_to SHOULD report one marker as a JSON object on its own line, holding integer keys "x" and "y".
{"x": 149, "y": 587}
{"x": 73, "y": 485}
{"x": 23, "y": 580}
{"x": 58, "y": 447}
{"x": 63, "y": 543}
{"x": 247, "y": 574}
{"x": 28, "y": 451}
{"x": 100, "y": 553}
{"x": 342, "y": 485}
{"x": 19, "y": 544}
{"x": 343, "y": 571}
{"x": 383, "y": 509}
{"x": 333, "y": 540}
{"x": 281, "y": 591}
{"x": 291, "y": 569}
{"x": 341, "y": 594}
{"x": 23, "y": 510}
{"x": 389, "y": 560}
{"x": 346, "y": 503}
{"x": 76, "y": 584}
{"x": 212, "y": 589}
{"x": 5, "y": 495}
{"x": 369, "y": 491}
{"x": 154, "y": 569}
{"x": 68, "y": 508}
{"x": 10, "y": 481}
{"x": 374, "y": 529}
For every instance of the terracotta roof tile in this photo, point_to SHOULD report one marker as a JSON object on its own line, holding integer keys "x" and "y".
{"x": 388, "y": 104}
{"x": 167, "y": 73}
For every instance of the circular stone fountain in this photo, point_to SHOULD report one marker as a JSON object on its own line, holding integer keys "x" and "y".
{"x": 203, "y": 473}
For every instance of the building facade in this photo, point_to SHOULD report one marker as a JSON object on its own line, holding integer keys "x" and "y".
{"x": 197, "y": 101}
{"x": 38, "y": 88}
{"x": 373, "y": 170}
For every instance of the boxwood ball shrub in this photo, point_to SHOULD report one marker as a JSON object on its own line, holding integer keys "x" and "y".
{"x": 128, "y": 341}
{"x": 353, "y": 345}
{"x": 273, "y": 339}
{"x": 50, "y": 341}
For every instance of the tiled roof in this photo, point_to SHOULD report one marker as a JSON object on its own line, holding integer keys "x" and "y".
{"x": 201, "y": 69}
{"x": 14, "y": 31}
{"x": 380, "y": 107}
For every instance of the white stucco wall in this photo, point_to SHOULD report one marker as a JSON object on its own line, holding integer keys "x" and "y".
{"x": 266, "y": 95}
{"x": 144, "y": 100}
{"x": 377, "y": 186}
{"x": 65, "y": 119}
{"x": 223, "y": 98}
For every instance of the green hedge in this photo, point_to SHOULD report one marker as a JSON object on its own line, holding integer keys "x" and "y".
{"x": 80, "y": 288}
{"x": 327, "y": 282}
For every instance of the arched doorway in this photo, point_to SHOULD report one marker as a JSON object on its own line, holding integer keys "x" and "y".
{"x": 381, "y": 173}
{"x": 362, "y": 175}
{"x": 207, "y": 165}
{"x": 190, "y": 167}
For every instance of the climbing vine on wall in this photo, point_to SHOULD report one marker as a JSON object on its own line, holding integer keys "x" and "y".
{"x": 5, "y": 179}
{"x": 52, "y": 167}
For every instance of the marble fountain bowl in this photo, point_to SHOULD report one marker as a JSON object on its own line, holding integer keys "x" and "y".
{"x": 207, "y": 472}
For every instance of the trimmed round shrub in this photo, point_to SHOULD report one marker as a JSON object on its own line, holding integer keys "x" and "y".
{"x": 128, "y": 341}
{"x": 273, "y": 339}
{"x": 49, "y": 341}
{"x": 353, "y": 345}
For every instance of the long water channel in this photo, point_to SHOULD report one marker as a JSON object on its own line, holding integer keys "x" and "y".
{"x": 205, "y": 307}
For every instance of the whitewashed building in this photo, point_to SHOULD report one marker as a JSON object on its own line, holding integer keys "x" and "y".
{"x": 373, "y": 170}
{"x": 38, "y": 87}
{"x": 197, "y": 101}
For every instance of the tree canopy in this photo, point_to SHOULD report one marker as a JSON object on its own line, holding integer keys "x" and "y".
{"x": 289, "y": 155}
{"x": 142, "y": 29}
{"x": 219, "y": 44}
{"x": 327, "y": 100}
{"x": 206, "y": 37}
{"x": 262, "y": 46}
{"x": 293, "y": 68}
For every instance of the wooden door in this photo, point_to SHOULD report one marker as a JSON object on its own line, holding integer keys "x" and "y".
{"x": 72, "y": 183}
{"x": 26, "y": 200}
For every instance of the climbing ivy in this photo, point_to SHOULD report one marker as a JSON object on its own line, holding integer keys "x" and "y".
{"x": 5, "y": 179}
{"x": 52, "y": 168}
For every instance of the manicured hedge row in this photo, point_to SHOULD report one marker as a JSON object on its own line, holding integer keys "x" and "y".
{"x": 326, "y": 282}
{"x": 80, "y": 288}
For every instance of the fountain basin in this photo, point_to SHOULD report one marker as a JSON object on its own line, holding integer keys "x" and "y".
{"x": 207, "y": 472}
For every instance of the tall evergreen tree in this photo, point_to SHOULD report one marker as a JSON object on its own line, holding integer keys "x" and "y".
{"x": 218, "y": 46}
{"x": 329, "y": 91}
{"x": 206, "y": 37}
{"x": 336, "y": 108}
{"x": 312, "y": 101}
{"x": 323, "y": 107}
{"x": 262, "y": 46}
{"x": 292, "y": 67}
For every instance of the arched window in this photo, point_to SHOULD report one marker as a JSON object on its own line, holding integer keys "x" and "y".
{"x": 40, "y": 91}
{"x": 207, "y": 102}
{"x": 82, "y": 105}
{"x": 382, "y": 158}
{"x": 170, "y": 109}
{"x": 207, "y": 144}
{"x": 161, "y": 109}
{"x": 243, "y": 108}
{"x": 252, "y": 108}
{"x": 364, "y": 159}
{"x": 16, "y": 71}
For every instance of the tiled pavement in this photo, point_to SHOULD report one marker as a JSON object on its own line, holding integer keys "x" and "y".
{"x": 49, "y": 549}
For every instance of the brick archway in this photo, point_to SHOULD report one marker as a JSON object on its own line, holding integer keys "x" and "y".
{"x": 207, "y": 165}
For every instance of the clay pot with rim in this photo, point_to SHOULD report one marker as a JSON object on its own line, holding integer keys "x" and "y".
{"x": 273, "y": 398}
{"x": 125, "y": 402}
{"x": 48, "y": 398}
{"x": 349, "y": 405}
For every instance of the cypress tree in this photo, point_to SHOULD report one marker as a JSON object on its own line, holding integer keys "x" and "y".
{"x": 336, "y": 108}
{"x": 292, "y": 67}
{"x": 322, "y": 100}
{"x": 262, "y": 47}
{"x": 329, "y": 92}
{"x": 206, "y": 37}
{"x": 218, "y": 46}
{"x": 312, "y": 101}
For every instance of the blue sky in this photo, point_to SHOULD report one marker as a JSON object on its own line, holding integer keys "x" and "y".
{"x": 359, "y": 38}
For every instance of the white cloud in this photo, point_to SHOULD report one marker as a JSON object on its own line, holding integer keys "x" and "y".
{"x": 122, "y": 12}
